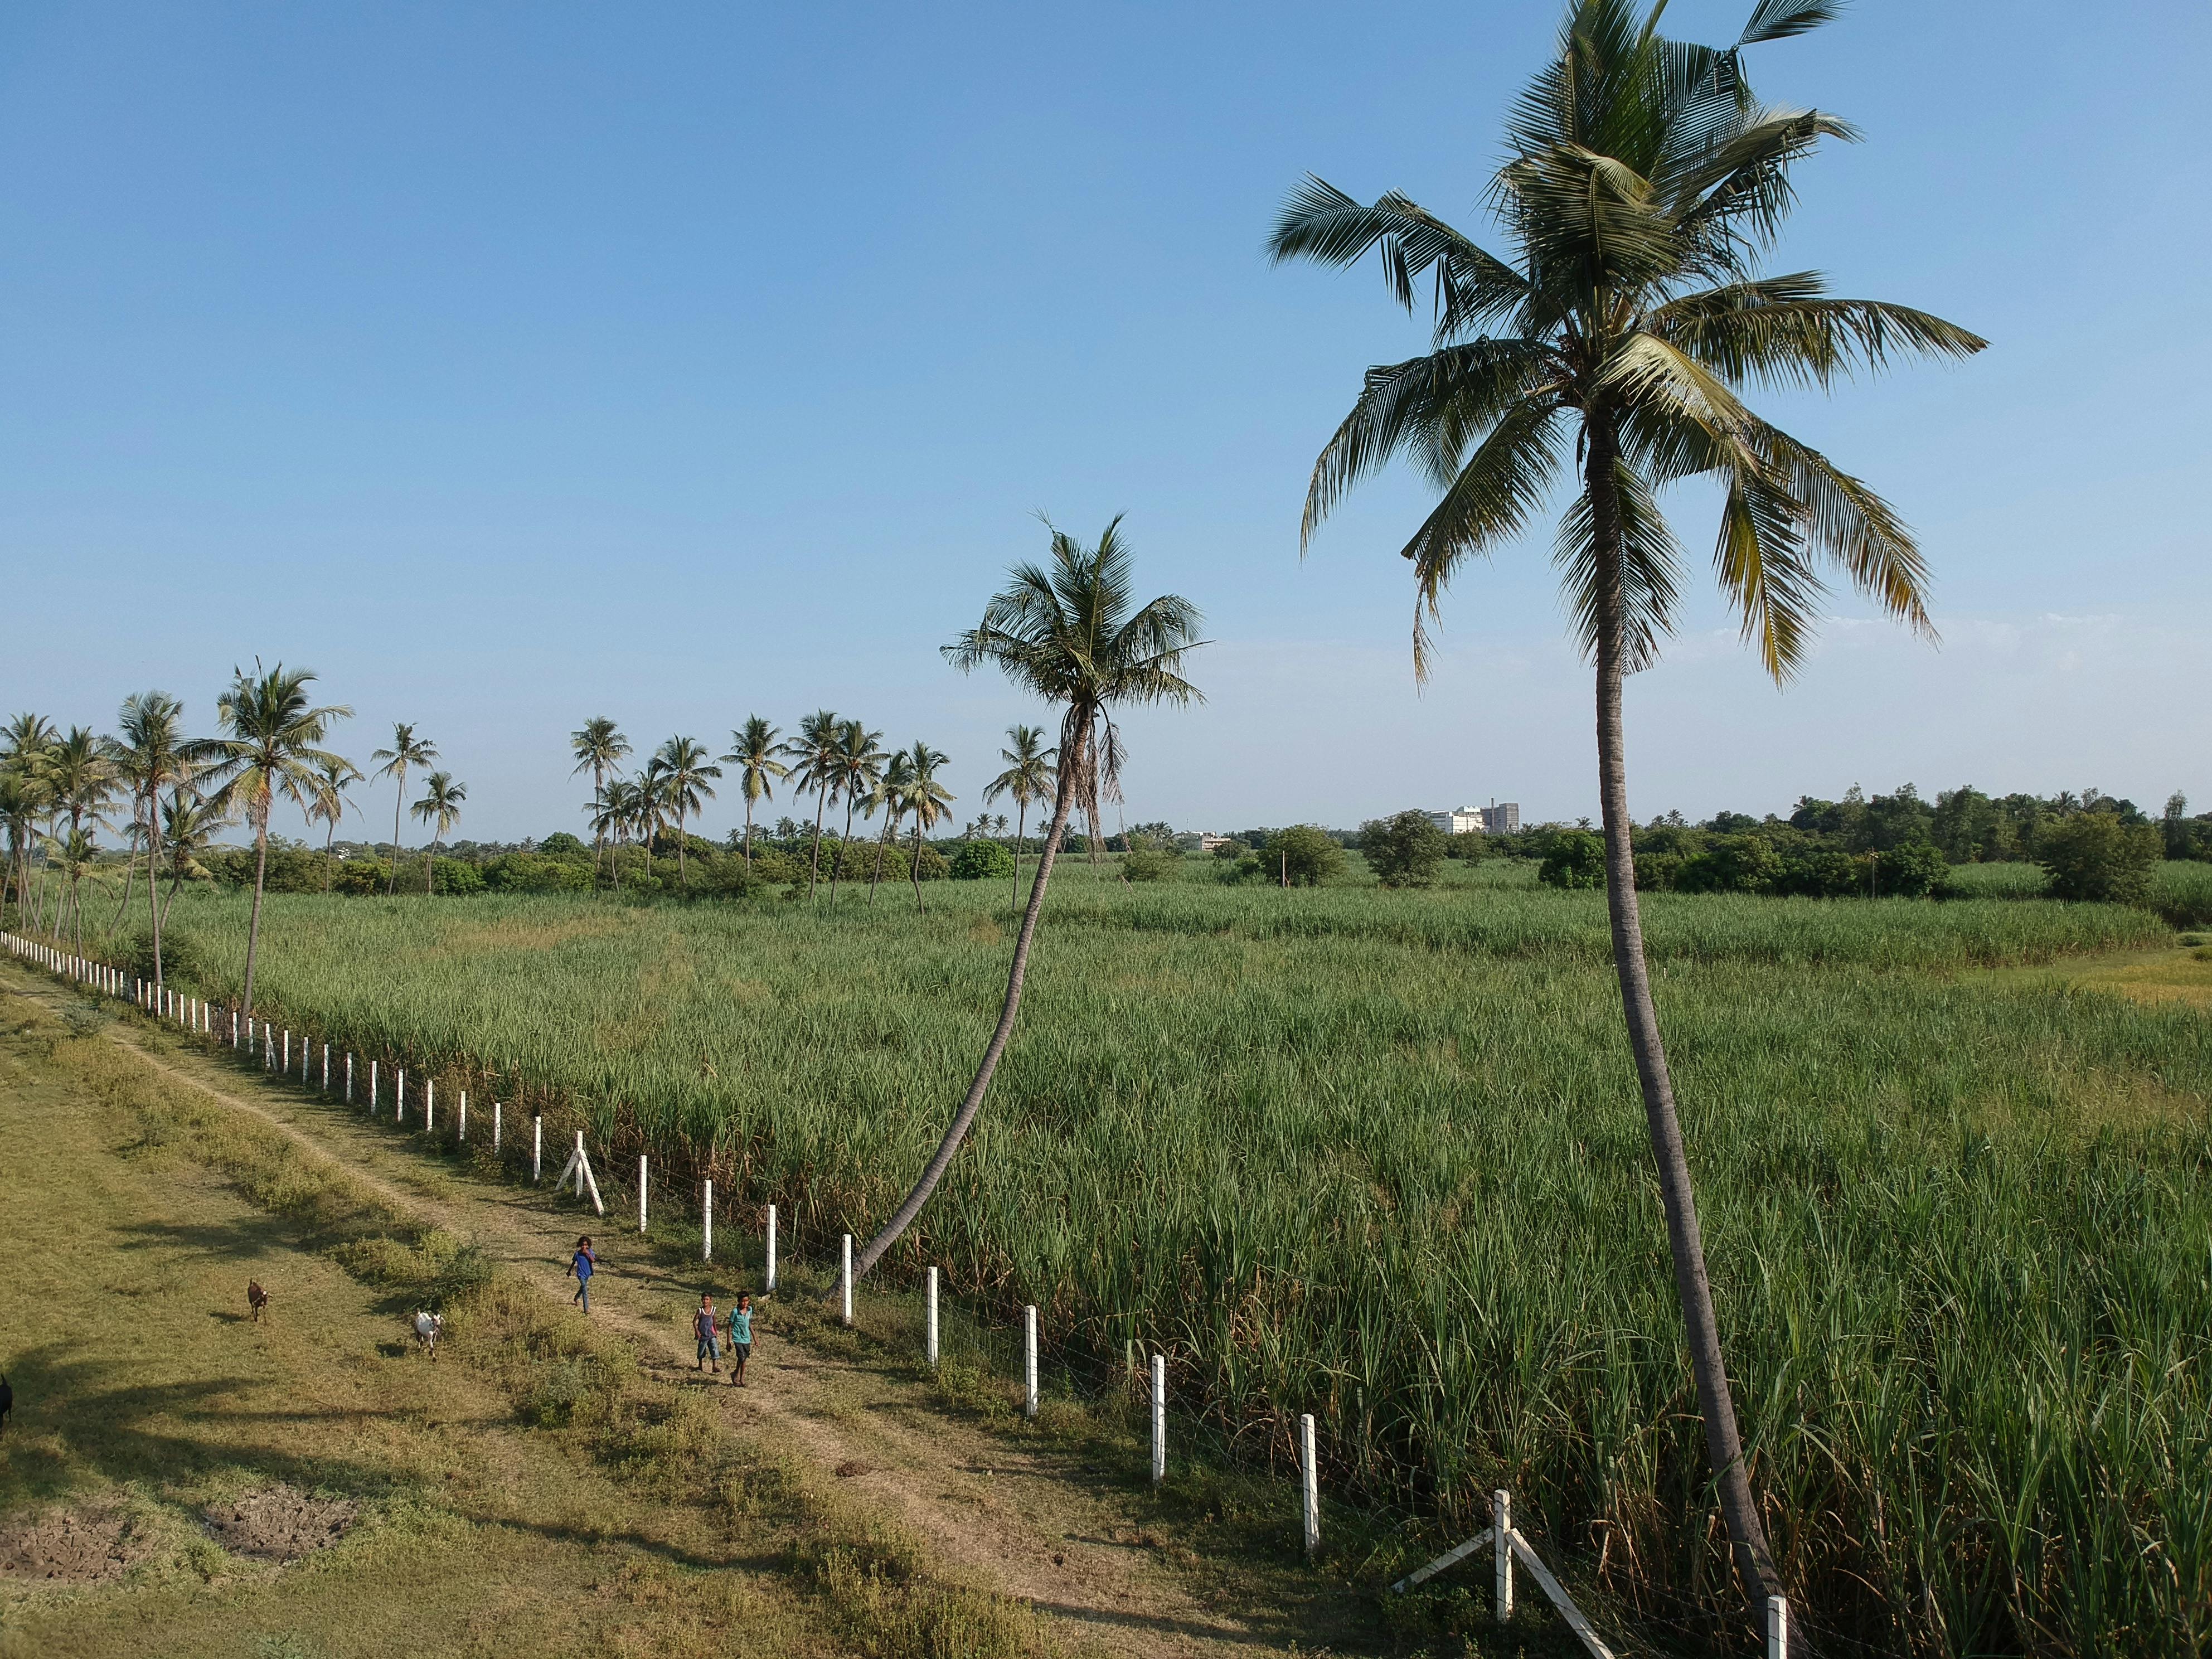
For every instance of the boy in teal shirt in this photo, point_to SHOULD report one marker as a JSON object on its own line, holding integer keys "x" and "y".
{"x": 741, "y": 1339}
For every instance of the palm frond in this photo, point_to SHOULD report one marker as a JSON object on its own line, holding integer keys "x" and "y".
{"x": 1649, "y": 570}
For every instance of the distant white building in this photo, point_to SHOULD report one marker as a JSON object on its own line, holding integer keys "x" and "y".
{"x": 1495, "y": 819}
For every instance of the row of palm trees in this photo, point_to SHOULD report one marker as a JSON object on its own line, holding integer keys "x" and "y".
{"x": 839, "y": 761}
{"x": 170, "y": 793}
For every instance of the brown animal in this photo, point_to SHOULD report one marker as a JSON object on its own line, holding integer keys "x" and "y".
{"x": 256, "y": 1298}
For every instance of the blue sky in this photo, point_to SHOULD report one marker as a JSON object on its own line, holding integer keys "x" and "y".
{"x": 510, "y": 365}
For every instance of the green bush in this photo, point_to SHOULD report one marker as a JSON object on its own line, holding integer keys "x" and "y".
{"x": 182, "y": 958}
{"x": 2093, "y": 856}
{"x": 1730, "y": 863}
{"x": 1916, "y": 870}
{"x": 1820, "y": 874}
{"x": 531, "y": 873}
{"x": 1576, "y": 859}
{"x": 982, "y": 860}
{"x": 359, "y": 877}
{"x": 1148, "y": 864}
{"x": 1658, "y": 873}
{"x": 458, "y": 877}
{"x": 1302, "y": 855}
{"x": 562, "y": 845}
{"x": 1404, "y": 848}
{"x": 932, "y": 865}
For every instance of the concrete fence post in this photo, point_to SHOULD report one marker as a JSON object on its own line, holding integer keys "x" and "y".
{"x": 845, "y": 1281}
{"x": 1777, "y": 1627}
{"x": 399, "y": 1098}
{"x": 429, "y": 1105}
{"x": 706, "y": 1223}
{"x": 348, "y": 1076}
{"x": 537, "y": 1146}
{"x": 768, "y": 1280}
{"x": 929, "y": 1322}
{"x": 372, "y": 1088}
{"x": 1159, "y": 1417}
{"x": 326, "y": 1068}
{"x": 1029, "y": 1360}
{"x": 495, "y": 1128}
{"x": 1501, "y": 1519}
{"x": 1309, "y": 1485}
{"x": 640, "y": 1192}
{"x": 462, "y": 1134}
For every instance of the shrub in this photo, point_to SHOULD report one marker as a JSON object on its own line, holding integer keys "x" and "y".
{"x": 1230, "y": 849}
{"x": 1576, "y": 859}
{"x": 1820, "y": 874}
{"x": 1149, "y": 864}
{"x": 1304, "y": 855}
{"x": 2093, "y": 856}
{"x": 776, "y": 868}
{"x": 531, "y": 873}
{"x": 562, "y": 845}
{"x": 1916, "y": 870}
{"x": 457, "y": 877}
{"x": 980, "y": 860}
{"x": 1730, "y": 863}
{"x": 1404, "y": 848}
{"x": 360, "y": 876}
{"x": 182, "y": 958}
{"x": 1658, "y": 873}
{"x": 931, "y": 865}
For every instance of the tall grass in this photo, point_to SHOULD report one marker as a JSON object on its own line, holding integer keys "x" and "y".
{"x": 1379, "y": 1156}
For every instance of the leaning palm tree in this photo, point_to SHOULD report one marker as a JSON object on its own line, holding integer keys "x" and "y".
{"x": 614, "y": 809}
{"x": 928, "y": 799}
{"x": 440, "y": 808}
{"x": 888, "y": 797}
{"x": 859, "y": 766}
{"x": 598, "y": 746}
{"x": 329, "y": 806}
{"x": 407, "y": 750}
{"x": 21, "y": 803}
{"x": 1642, "y": 183}
{"x": 24, "y": 742}
{"x": 682, "y": 767}
{"x": 1027, "y": 780}
{"x": 1066, "y": 633}
{"x": 269, "y": 748}
{"x": 754, "y": 747}
{"x": 815, "y": 749}
{"x": 82, "y": 773}
{"x": 152, "y": 754}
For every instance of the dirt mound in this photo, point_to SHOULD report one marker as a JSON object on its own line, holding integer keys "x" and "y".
{"x": 66, "y": 1547}
{"x": 279, "y": 1523}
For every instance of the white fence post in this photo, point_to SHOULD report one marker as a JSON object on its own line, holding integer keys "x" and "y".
{"x": 429, "y": 1105}
{"x": 845, "y": 1280}
{"x": 929, "y": 1322}
{"x": 1309, "y": 1485}
{"x": 287, "y": 1068}
{"x": 768, "y": 1279}
{"x": 1029, "y": 1360}
{"x": 1501, "y": 1521}
{"x": 348, "y": 1076}
{"x": 640, "y": 1192}
{"x": 1159, "y": 1417}
{"x": 233, "y": 1028}
{"x": 372, "y": 1088}
{"x": 399, "y": 1098}
{"x": 463, "y": 1133}
{"x": 326, "y": 1068}
{"x": 1777, "y": 1627}
{"x": 537, "y": 1146}
{"x": 706, "y": 1223}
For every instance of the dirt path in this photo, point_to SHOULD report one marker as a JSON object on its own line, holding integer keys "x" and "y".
{"x": 1025, "y": 1519}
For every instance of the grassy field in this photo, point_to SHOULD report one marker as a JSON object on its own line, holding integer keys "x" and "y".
{"x": 180, "y": 1481}
{"x": 1379, "y": 1156}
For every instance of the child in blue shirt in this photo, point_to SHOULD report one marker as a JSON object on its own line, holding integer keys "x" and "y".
{"x": 741, "y": 1339}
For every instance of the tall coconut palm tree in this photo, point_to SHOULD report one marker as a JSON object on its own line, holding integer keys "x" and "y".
{"x": 21, "y": 800}
{"x": 683, "y": 769}
{"x": 598, "y": 746}
{"x": 928, "y": 799}
{"x": 815, "y": 749}
{"x": 440, "y": 808}
{"x": 152, "y": 754}
{"x": 72, "y": 855}
{"x": 1065, "y": 632}
{"x": 1642, "y": 184}
{"x": 407, "y": 750}
{"x": 754, "y": 748}
{"x": 860, "y": 765}
{"x": 1027, "y": 780}
{"x": 888, "y": 797}
{"x": 24, "y": 742}
{"x": 269, "y": 748}
{"x": 613, "y": 811}
{"x": 329, "y": 806}
{"x": 82, "y": 773}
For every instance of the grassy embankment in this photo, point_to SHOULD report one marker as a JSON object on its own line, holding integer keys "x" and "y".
{"x": 1379, "y": 1156}
{"x": 628, "y": 1519}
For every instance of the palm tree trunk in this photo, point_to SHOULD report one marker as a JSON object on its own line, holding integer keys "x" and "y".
{"x": 1021, "y": 818}
{"x": 399, "y": 800}
{"x": 1723, "y": 1443}
{"x": 941, "y": 1160}
{"x": 821, "y": 805}
{"x": 749, "y": 834}
{"x": 155, "y": 908}
{"x": 683, "y": 880}
{"x": 891, "y": 825}
{"x": 330, "y": 836}
{"x": 253, "y": 924}
{"x": 845, "y": 841}
{"x": 914, "y": 869}
{"x": 429, "y": 866}
{"x": 129, "y": 878}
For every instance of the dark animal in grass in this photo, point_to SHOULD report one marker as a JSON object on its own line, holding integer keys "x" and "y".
{"x": 6, "y": 1403}
{"x": 256, "y": 1297}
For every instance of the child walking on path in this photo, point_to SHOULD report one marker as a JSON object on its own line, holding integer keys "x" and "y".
{"x": 584, "y": 1264}
{"x": 741, "y": 1339}
{"x": 703, "y": 1328}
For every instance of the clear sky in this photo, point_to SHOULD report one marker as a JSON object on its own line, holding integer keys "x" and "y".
{"x": 513, "y": 364}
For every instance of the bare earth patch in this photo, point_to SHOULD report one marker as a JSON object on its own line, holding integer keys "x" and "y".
{"x": 279, "y": 1523}
{"x": 66, "y": 1547}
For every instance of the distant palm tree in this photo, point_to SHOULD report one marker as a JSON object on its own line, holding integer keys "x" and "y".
{"x": 859, "y": 765}
{"x": 189, "y": 823}
{"x": 1066, "y": 633}
{"x": 926, "y": 799}
{"x": 682, "y": 767}
{"x": 73, "y": 855}
{"x": 337, "y": 776}
{"x": 1027, "y": 779}
{"x": 1642, "y": 184}
{"x": 598, "y": 746}
{"x": 269, "y": 748}
{"x": 82, "y": 772}
{"x": 407, "y": 750}
{"x": 439, "y": 807}
{"x": 20, "y": 802}
{"x": 754, "y": 747}
{"x": 888, "y": 797}
{"x": 815, "y": 749}
{"x": 24, "y": 742}
{"x": 615, "y": 813}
